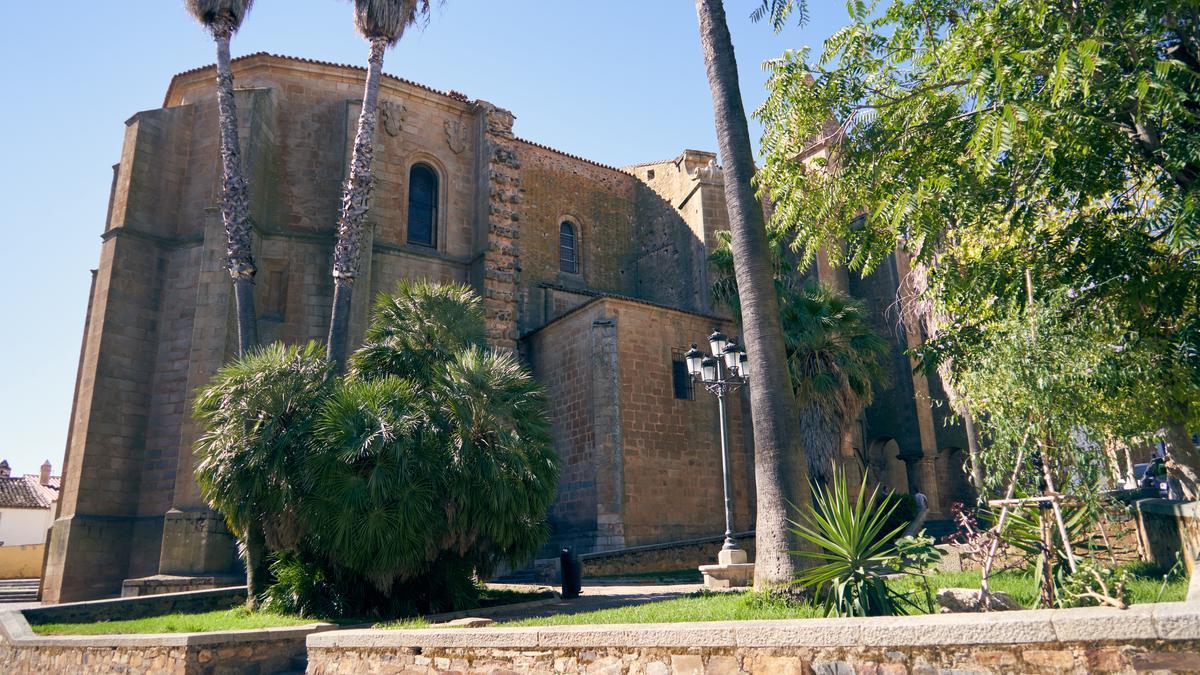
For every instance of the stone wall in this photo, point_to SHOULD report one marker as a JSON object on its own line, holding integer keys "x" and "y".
{"x": 1163, "y": 638}
{"x": 666, "y": 557}
{"x": 263, "y": 651}
{"x": 248, "y": 651}
{"x": 640, "y": 466}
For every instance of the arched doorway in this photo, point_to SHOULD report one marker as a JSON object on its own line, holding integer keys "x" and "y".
{"x": 885, "y": 466}
{"x": 954, "y": 481}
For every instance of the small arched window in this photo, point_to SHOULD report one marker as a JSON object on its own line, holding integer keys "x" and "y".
{"x": 568, "y": 248}
{"x": 422, "y": 206}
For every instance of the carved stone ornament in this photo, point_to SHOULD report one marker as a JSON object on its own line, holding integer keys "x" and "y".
{"x": 456, "y": 135}
{"x": 393, "y": 117}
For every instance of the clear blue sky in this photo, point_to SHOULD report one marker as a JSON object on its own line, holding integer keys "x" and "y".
{"x": 619, "y": 82}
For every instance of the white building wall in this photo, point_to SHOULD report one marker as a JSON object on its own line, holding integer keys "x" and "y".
{"x": 24, "y": 526}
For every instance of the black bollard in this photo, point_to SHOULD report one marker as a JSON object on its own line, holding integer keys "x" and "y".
{"x": 572, "y": 574}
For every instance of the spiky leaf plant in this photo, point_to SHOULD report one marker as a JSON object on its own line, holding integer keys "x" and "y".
{"x": 853, "y": 552}
{"x": 256, "y": 415}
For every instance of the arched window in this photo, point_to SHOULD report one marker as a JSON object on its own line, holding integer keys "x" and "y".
{"x": 422, "y": 205}
{"x": 568, "y": 248}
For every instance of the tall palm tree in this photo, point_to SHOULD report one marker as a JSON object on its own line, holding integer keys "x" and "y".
{"x": 222, "y": 18}
{"x": 834, "y": 360}
{"x": 381, "y": 23}
{"x": 779, "y": 466}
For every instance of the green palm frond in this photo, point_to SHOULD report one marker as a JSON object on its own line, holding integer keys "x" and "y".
{"x": 416, "y": 327}
{"x": 256, "y": 414}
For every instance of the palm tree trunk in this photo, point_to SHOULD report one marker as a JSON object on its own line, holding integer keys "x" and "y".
{"x": 780, "y": 471}
{"x": 235, "y": 202}
{"x": 1182, "y": 459}
{"x": 256, "y": 563}
{"x": 355, "y": 204}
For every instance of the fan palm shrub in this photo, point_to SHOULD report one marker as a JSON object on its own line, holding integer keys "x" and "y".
{"x": 381, "y": 23}
{"x": 257, "y": 413}
{"x": 431, "y": 461}
{"x": 853, "y": 552}
{"x": 223, "y": 18}
{"x": 834, "y": 359}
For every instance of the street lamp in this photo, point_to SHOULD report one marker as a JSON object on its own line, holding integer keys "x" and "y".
{"x": 723, "y": 372}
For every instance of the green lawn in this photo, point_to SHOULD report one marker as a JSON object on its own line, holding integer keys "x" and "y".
{"x": 706, "y": 606}
{"x": 702, "y": 606}
{"x": 223, "y": 619}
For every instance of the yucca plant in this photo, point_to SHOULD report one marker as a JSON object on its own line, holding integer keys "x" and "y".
{"x": 853, "y": 553}
{"x": 223, "y": 18}
{"x": 381, "y": 23}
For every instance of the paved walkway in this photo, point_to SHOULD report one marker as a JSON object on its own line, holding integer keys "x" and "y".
{"x": 591, "y": 599}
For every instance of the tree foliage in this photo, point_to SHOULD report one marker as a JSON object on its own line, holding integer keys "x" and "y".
{"x": 992, "y": 137}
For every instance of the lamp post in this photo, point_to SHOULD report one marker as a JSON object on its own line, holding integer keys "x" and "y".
{"x": 725, "y": 371}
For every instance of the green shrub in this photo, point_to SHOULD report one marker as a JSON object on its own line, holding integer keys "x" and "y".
{"x": 395, "y": 485}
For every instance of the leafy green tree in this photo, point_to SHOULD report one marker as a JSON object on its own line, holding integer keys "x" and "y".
{"x": 779, "y": 465}
{"x": 834, "y": 356}
{"x": 991, "y": 138}
{"x": 381, "y": 23}
{"x": 257, "y": 414}
{"x": 223, "y": 18}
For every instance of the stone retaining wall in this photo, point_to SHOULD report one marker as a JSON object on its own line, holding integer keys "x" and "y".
{"x": 190, "y": 602}
{"x": 1164, "y": 637}
{"x": 660, "y": 557}
{"x": 266, "y": 650}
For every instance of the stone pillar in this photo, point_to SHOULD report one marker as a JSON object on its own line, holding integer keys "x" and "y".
{"x": 606, "y": 430}
{"x": 502, "y": 256}
{"x": 195, "y": 540}
{"x": 922, "y": 402}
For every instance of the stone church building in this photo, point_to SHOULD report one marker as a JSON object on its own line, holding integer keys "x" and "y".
{"x": 597, "y": 275}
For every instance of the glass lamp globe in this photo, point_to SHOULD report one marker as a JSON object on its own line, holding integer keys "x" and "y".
{"x": 717, "y": 343}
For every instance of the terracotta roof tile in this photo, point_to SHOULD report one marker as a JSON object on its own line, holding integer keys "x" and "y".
{"x": 25, "y": 492}
{"x": 454, "y": 95}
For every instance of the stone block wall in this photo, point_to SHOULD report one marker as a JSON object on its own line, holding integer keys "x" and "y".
{"x": 640, "y": 466}
{"x": 1157, "y": 638}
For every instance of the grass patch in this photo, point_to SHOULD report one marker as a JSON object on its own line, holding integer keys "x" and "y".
{"x": 238, "y": 618}
{"x": 750, "y": 606}
{"x": 702, "y": 606}
{"x": 1143, "y": 588}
